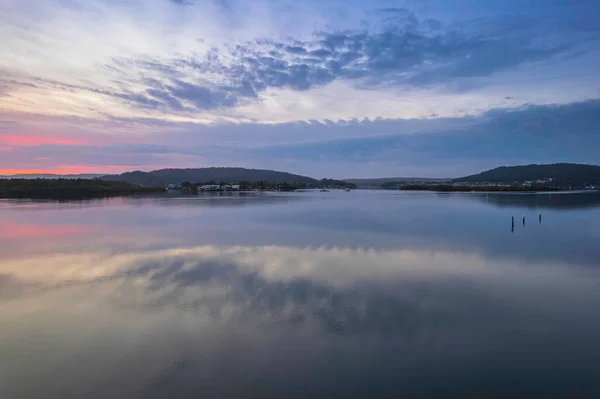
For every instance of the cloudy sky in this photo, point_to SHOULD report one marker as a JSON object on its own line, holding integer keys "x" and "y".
{"x": 337, "y": 88}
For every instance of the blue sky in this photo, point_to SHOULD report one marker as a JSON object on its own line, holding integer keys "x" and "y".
{"x": 324, "y": 88}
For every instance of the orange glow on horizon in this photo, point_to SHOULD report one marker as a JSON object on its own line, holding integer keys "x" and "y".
{"x": 41, "y": 172}
{"x": 77, "y": 170}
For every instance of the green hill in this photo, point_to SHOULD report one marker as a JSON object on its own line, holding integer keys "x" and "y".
{"x": 562, "y": 174}
{"x": 159, "y": 178}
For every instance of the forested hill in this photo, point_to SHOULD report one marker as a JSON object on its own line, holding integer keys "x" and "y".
{"x": 159, "y": 178}
{"x": 561, "y": 174}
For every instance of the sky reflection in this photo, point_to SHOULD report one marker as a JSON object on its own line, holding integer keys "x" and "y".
{"x": 330, "y": 296}
{"x": 427, "y": 308}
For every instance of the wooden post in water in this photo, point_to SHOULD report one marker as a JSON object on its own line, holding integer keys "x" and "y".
{"x": 523, "y": 220}
{"x": 540, "y": 218}
{"x": 512, "y": 227}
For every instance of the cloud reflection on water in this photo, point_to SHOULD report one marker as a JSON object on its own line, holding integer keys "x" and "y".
{"x": 159, "y": 316}
{"x": 253, "y": 309}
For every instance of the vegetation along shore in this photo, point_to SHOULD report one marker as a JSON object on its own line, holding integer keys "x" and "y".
{"x": 70, "y": 188}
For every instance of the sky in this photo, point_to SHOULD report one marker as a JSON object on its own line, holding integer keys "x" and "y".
{"x": 325, "y": 88}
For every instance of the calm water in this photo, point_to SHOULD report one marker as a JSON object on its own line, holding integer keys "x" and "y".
{"x": 361, "y": 294}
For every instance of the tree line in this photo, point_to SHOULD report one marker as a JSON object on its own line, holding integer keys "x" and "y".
{"x": 69, "y": 188}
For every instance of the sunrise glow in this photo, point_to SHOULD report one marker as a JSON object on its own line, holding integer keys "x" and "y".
{"x": 382, "y": 87}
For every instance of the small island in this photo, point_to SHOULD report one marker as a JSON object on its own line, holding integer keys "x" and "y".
{"x": 70, "y": 188}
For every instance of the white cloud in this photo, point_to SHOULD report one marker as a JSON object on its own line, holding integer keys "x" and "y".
{"x": 73, "y": 46}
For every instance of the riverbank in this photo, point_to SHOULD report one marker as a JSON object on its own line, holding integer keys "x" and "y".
{"x": 70, "y": 189}
{"x": 451, "y": 188}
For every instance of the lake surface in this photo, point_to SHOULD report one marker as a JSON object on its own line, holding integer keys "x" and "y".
{"x": 301, "y": 295}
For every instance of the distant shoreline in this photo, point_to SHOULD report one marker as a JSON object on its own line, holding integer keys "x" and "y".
{"x": 73, "y": 189}
{"x": 463, "y": 189}
{"x": 70, "y": 189}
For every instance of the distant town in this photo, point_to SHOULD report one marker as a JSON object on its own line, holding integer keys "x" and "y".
{"x": 190, "y": 188}
{"x": 551, "y": 177}
{"x": 546, "y": 184}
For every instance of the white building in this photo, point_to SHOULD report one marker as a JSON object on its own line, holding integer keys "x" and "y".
{"x": 210, "y": 187}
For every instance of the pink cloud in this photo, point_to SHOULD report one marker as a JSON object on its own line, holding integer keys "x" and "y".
{"x": 77, "y": 169}
{"x": 26, "y": 141}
